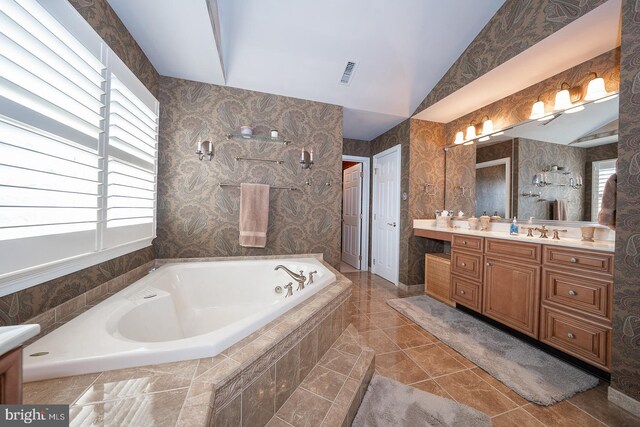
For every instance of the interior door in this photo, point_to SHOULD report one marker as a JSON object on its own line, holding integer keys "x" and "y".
{"x": 352, "y": 215}
{"x": 386, "y": 214}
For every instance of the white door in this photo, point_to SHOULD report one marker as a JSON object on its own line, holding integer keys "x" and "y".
{"x": 386, "y": 214}
{"x": 352, "y": 215}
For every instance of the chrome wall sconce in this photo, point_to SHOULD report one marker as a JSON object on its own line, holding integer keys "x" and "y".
{"x": 205, "y": 149}
{"x": 306, "y": 159}
{"x": 575, "y": 183}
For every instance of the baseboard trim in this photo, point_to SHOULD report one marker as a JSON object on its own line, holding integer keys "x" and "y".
{"x": 625, "y": 402}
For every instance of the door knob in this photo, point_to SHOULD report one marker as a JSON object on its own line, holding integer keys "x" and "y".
{"x": 393, "y": 224}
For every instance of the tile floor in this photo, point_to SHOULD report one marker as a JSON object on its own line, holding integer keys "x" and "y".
{"x": 409, "y": 354}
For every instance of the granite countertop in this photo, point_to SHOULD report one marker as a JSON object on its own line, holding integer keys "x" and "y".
{"x": 571, "y": 242}
{"x": 14, "y": 336}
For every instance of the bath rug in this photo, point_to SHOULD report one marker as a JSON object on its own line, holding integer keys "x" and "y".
{"x": 530, "y": 372}
{"x": 390, "y": 403}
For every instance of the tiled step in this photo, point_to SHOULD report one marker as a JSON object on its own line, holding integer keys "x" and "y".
{"x": 331, "y": 393}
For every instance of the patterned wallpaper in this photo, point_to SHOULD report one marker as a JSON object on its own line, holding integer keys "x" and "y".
{"x": 518, "y": 25}
{"x": 197, "y": 218}
{"x": 534, "y": 156}
{"x": 461, "y": 172}
{"x": 626, "y": 312}
{"x": 104, "y": 20}
{"x": 356, "y": 147}
{"x": 502, "y": 150}
{"x": 21, "y": 306}
{"x": 594, "y": 154}
{"x": 491, "y": 188}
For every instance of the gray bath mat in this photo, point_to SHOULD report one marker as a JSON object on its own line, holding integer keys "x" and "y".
{"x": 532, "y": 373}
{"x": 390, "y": 403}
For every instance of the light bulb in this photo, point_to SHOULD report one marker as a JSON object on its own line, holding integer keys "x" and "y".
{"x": 595, "y": 90}
{"x": 537, "y": 110}
{"x": 471, "y": 132}
{"x": 459, "y": 138}
{"x": 563, "y": 100}
{"x": 487, "y": 127}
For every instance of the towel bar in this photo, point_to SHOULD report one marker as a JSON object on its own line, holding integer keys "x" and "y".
{"x": 275, "y": 188}
{"x": 255, "y": 159}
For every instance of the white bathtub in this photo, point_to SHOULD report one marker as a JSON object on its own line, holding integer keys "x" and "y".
{"x": 181, "y": 311}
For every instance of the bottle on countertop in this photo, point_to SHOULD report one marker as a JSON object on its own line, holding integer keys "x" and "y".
{"x": 514, "y": 229}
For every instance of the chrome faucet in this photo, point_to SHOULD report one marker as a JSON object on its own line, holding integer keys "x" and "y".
{"x": 289, "y": 288}
{"x": 311, "y": 276}
{"x": 300, "y": 278}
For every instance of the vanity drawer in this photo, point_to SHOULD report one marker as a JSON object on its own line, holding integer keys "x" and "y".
{"x": 466, "y": 293}
{"x": 469, "y": 243}
{"x": 578, "y": 337}
{"x": 511, "y": 249}
{"x": 586, "y": 261}
{"x": 467, "y": 264}
{"x": 586, "y": 294}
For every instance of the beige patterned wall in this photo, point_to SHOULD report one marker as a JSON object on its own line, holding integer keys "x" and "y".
{"x": 20, "y": 306}
{"x": 518, "y": 25}
{"x": 356, "y": 147}
{"x": 626, "y": 311}
{"x": 197, "y": 218}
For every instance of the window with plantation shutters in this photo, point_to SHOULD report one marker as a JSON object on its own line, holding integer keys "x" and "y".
{"x": 78, "y": 147}
{"x": 600, "y": 173}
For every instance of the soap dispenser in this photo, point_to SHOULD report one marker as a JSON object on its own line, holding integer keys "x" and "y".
{"x": 514, "y": 230}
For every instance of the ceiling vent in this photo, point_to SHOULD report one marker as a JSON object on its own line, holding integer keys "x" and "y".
{"x": 348, "y": 73}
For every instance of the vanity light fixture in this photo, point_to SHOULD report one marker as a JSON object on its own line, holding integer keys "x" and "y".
{"x": 471, "y": 132}
{"x": 537, "y": 111}
{"x": 595, "y": 89}
{"x": 563, "y": 98}
{"x": 487, "y": 126}
{"x": 484, "y": 138}
{"x": 459, "y": 138}
{"x": 469, "y": 142}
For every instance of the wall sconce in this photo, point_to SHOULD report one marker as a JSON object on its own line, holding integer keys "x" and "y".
{"x": 537, "y": 111}
{"x": 595, "y": 89}
{"x": 471, "y": 132}
{"x": 563, "y": 98}
{"x": 205, "y": 148}
{"x": 459, "y": 138}
{"x": 306, "y": 159}
{"x": 487, "y": 126}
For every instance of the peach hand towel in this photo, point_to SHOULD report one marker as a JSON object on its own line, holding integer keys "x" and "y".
{"x": 254, "y": 215}
{"x": 560, "y": 210}
{"x": 607, "y": 214}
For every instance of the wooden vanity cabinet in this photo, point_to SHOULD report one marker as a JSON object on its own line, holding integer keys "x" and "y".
{"x": 559, "y": 295}
{"x": 511, "y": 294}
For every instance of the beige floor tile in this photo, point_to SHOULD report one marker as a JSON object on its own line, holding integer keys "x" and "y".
{"x": 304, "y": 409}
{"x": 518, "y": 417}
{"x": 434, "y": 361}
{"x": 469, "y": 389}
{"x": 502, "y": 388}
{"x": 562, "y": 414}
{"x": 430, "y": 386}
{"x": 596, "y": 403}
{"x": 406, "y": 336}
{"x": 400, "y": 367}
{"x": 378, "y": 341}
{"x": 324, "y": 382}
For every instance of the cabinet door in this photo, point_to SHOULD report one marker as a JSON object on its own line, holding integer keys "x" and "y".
{"x": 511, "y": 294}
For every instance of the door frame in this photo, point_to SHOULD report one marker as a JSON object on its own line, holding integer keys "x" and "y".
{"x": 506, "y": 161}
{"x": 394, "y": 149}
{"x": 364, "y": 206}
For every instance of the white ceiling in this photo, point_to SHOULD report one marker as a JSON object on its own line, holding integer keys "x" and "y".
{"x": 593, "y": 34}
{"x": 177, "y": 36}
{"x": 299, "y": 48}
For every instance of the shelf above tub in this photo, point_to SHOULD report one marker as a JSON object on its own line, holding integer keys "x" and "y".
{"x": 259, "y": 138}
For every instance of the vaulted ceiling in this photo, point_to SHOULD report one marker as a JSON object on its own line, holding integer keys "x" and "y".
{"x": 299, "y": 48}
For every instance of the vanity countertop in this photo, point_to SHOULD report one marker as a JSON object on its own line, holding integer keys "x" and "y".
{"x": 460, "y": 227}
{"x": 14, "y": 336}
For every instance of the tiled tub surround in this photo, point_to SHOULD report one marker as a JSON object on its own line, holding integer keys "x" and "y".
{"x": 181, "y": 311}
{"x": 192, "y": 393}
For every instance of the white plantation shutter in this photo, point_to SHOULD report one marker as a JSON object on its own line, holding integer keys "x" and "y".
{"x": 601, "y": 172}
{"x": 132, "y": 153}
{"x": 78, "y": 147}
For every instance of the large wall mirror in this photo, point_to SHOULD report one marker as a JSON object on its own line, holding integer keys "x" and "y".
{"x": 549, "y": 169}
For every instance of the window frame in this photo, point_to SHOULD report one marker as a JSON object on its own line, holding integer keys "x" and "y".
{"x": 595, "y": 184}
{"x": 79, "y": 28}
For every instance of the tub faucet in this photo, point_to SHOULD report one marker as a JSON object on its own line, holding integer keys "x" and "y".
{"x": 289, "y": 288}
{"x": 300, "y": 278}
{"x": 311, "y": 276}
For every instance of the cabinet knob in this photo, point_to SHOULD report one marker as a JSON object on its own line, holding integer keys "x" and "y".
{"x": 573, "y": 293}
{"x": 488, "y": 264}
{"x": 571, "y": 335}
{"x": 461, "y": 292}
{"x": 574, "y": 260}
{"x": 464, "y": 264}
{"x": 464, "y": 242}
